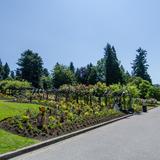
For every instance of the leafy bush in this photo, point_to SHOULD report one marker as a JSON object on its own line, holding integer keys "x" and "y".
{"x": 25, "y": 118}
{"x": 13, "y": 84}
{"x": 133, "y": 90}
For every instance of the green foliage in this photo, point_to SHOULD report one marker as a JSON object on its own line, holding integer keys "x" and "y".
{"x": 12, "y": 75}
{"x": 13, "y": 84}
{"x": 143, "y": 86}
{"x": 137, "y": 107}
{"x": 125, "y": 75}
{"x": 99, "y": 89}
{"x": 154, "y": 92}
{"x": 18, "y": 74}
{"x": 10, "y": 109}
{"x": 81, "y": 75}
{"x": 140, "y": 65}
{"x": 46, "y": 82}
{"x": 45, "y": 72}
{"x": 52, "y": 122}
{"x": 92, "y": 74}
{"x": 51, "y": 118}
{"x": 30, "y": 67}
{"x": 11, "y": 142}
{"x": 19, "y": 125}
{"x": 100, "y": 67}
{"x": 62, "y": 75}
{"x": 112, "y": 70}
{"x": 87, "y": 75}
{"x": 67, "y": 88}
{"x": 25, "y": 118}
{"x": 71, "y": 67}
{"x": 115, "y": 88}
{"x": 1, "y": 70}
{"x": 95, "y": 102}
{"x": 135, "y": 81}
{"x": 6, "y": 70}
{"x": 133, "y": 90}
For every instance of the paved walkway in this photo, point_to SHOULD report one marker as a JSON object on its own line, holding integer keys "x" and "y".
{"x": 134, "y": 138}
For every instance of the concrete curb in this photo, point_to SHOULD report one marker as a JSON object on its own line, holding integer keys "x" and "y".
{"x": 57, "y": 139}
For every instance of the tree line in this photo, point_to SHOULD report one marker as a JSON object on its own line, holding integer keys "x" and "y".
{"x": 108, "y": 70}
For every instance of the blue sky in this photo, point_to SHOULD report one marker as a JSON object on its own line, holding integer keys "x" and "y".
{"x": 78, "y": 30}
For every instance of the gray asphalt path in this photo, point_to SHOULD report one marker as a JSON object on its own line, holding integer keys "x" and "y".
{"x": 134, "y": 138}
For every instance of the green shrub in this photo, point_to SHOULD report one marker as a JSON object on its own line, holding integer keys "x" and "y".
{"x": 25, "y": 118}
{"x": 13, "y": 84}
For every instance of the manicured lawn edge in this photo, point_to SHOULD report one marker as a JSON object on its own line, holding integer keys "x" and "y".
{"x": 11, "y": 142}
{"x": 10, "y": 109}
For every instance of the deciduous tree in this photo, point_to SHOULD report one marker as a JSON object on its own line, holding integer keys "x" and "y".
{"x": 62, "y": 75}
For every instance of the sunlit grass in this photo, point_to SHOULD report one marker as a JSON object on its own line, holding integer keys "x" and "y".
{"x": 11, "y": 142}
{"x": 10, "y": 109}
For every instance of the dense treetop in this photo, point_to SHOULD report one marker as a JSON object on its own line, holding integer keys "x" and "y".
{"x": 30, "y": 67}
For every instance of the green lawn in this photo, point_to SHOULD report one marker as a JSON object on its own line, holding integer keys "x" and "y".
{"x": 10, "y": 142}
{"x": 9, "y": 109}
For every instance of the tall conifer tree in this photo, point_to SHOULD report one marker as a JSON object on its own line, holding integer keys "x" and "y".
{"x": 31, "y": 68}
{"x": 1, "y": 70}
{"x": 140, "y": 65}
{"x": 6, "y": 70}
{"x": 113, "y": 73}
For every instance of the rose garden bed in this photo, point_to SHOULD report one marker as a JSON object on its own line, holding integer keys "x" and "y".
{"x": 29, "y": 127}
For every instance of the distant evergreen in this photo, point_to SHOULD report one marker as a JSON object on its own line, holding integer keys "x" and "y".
{"x": 12, "y": 75}
{"x": 1, "y": 70}
{"x": 113, "y": 72}
{"x": 71, "y": 67}
{"x": 140, "y": 65}
{"x": 30, "y": 67}
{"x": 6, "y": 71}
{"x": 87, "y": 75}
{"x": 100, "y": 68}
{"x": 45, "y": 72}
